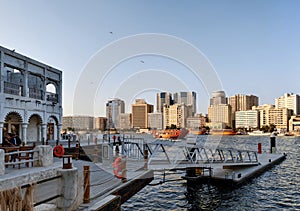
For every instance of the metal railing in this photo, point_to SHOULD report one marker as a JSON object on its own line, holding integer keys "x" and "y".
{"x": 12, "y": 88}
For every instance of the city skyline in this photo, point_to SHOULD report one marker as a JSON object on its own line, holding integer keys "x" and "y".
{"x": 251, "y": 46}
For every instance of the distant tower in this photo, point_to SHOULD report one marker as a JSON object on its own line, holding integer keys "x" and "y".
{"x": 161, "y": 99}
{"x": 114, "y": 107}
{"x": 218, "y": 97}
{"x": 290, "y": 101}
{"x": 241, "y": 102}
{"x": 140, "y": 112}
{"x": 187, "y": 98}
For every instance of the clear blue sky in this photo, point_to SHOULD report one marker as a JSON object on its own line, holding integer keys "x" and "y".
{"x": 253, "y": 45}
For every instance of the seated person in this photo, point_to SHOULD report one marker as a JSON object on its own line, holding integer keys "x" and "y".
{"x": 6, "y": 141}
{"x": 15, "y": 140}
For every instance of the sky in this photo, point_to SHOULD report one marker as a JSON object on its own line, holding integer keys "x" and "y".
{"x": 136, "y": 48}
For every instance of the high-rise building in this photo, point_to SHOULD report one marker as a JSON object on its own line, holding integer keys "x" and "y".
{"x": 114, "y": 107}
{"x": 241, "y": 102}
{"x": 140, "y": 112}
{"x": 175, "y": 115}
{"x": 78, "y": 122}
{"x": 155, "y": 120}
{"x": 247, "y": 119}
{"x": 161, "y": 99}
{"x": 220, "y": 113}
{"x": 280, "y": 117}
{"x": 276, "y": 116}
{"x": 218, "y": 97}
{"x": 125, "y": 121}
{"x": 290, "y": 101}
{"x": 189, "y": 99}
{"x": 100, "y": 123}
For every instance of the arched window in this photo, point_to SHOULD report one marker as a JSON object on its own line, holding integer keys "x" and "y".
{"x": 51, "y": 88}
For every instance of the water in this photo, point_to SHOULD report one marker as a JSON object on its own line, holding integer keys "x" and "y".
{"x": 276, "y": 189}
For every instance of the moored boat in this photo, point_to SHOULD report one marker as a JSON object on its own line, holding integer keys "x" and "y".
{"x": 258, "y": 133}
{"x": 226, "y": 132}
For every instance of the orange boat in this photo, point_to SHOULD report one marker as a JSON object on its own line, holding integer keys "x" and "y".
{"x": 226, "y": 132}
{"x": 167, "y": 134}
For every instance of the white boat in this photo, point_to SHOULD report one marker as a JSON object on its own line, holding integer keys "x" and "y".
{"x": 258, "y": 133}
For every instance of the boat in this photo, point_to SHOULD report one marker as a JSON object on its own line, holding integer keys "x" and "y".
{"x": 199, "y": 132}
{"x": 167, "y": 134}
{"x": 258, "y": 133}
{"x": 226, "y": 132}
{"x": 171, "y": 134}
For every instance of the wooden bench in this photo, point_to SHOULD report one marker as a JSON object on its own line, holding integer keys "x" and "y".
{"x": 18, "y": 155}
{"x": 10, "y": 157}
{"x": 26, "y": 153}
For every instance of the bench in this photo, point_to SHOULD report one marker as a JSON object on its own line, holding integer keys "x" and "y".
{"x": 19, "y": 155}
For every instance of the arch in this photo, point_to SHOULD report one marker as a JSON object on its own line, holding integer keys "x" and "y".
{"x": 51, "y": 88}
{"x": 52, "y": 119}
{"x": 36, "y": 116}
{"x": 12, "y": 123}
{"x": 34, "y": 128}
{"x": 13, "y": 116}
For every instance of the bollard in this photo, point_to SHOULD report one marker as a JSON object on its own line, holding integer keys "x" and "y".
{"x": 69, "y": 143}
{"x": 77, "y": 151}
{"x": 259, "y": 148}
{"x": 146, "y": 159}
{"x": 86, "y": 184}
{"x": 67, "y": 161}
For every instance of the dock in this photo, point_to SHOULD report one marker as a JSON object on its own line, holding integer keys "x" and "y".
{"x": 103, "y": 189}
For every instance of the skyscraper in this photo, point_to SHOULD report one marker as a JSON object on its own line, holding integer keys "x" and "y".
{"x": 290, "y": 101}
{"x": 218, "y": 97}
{"x": 161, "y": 99}
{"x": 241, "y": 102}
{"x": 189, "y": 99}
{"x": 140, "y": 112}
{"x": 114, "y": 107}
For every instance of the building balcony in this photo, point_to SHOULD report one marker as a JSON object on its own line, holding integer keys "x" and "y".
{"x": 12, "y": 88}
{"x": 52, "y": 97}
{"x": 36, "y": 93}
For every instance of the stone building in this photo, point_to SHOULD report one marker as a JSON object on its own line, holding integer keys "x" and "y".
{"x": 30, "y": 98}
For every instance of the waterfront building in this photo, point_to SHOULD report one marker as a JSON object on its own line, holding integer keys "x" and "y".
{"x": 220, "y": 113}
{"x": 175, "y": 115}
{"x": 140, "y": 112}
{"x": 280, "y": 117}
{"x": 241, "y": 102}
{"x": 78, "y": 123}
{"x": 30, "y": 98}
{"x": 218, "y": 97}
{"x": 294, "y": 123}
{"x": 100, "y": 123}
{"x": 276, "y": 116}
{"x": 161, "y": 99}
{"x": 290, "y": 101}
{"x": 263, "y": 113}
{"x": 247, "y": 119}
{"x": 189, "y": 99}
{"x": 196, "y": 122}
{"x": 114, "y": 107}
{"x": 155, "y": 120}
{"x": 125, "y": 121}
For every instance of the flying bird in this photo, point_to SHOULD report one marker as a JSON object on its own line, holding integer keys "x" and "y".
{"x": 142, "y": 61}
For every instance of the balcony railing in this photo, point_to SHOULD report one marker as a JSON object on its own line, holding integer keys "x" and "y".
{"x": 52, "y": 97}
{"x": 12, "y": 88}
{"x": 36, "y": 93}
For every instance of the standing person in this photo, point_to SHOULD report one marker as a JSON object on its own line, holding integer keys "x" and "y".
{"x": 273, "y": 141}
